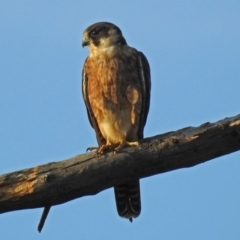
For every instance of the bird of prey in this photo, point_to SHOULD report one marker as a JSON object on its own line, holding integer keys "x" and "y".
{"x": 116, "y": 91}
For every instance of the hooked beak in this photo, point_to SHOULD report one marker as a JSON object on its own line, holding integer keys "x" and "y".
{"x": 85, "y": 42}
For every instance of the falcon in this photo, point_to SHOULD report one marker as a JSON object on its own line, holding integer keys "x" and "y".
{"x": 116, "y": 91}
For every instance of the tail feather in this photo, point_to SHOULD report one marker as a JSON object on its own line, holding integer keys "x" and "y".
{"x": 128, "y": 199}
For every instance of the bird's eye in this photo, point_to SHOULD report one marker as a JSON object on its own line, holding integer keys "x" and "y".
{"x": 94, "y": 33}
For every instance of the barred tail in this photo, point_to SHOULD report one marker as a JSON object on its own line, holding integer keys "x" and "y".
{"x": 128, "y": 199}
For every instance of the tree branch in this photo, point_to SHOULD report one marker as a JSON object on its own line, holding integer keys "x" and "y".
{"x": 87, "y": 174}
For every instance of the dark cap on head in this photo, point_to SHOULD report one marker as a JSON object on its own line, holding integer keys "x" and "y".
{"x": 100, "y": 30}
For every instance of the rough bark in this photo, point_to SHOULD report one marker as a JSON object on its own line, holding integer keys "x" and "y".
{"x": 87, "y": 174}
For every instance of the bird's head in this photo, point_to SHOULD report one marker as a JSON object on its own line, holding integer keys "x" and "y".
{"x": 102, "y": 35}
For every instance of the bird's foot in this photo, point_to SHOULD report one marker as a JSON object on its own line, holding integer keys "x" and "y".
{"x": 125, "y": 143}
{"x": 99, "y": 150}
{"x": 103, "y": 148}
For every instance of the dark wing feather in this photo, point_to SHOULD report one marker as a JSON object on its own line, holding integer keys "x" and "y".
{"x": 91, "y": 116}
{"x": 127, "y": 195}
{"x": 145, "y": 78}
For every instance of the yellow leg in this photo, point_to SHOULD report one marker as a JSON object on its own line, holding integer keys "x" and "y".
{"x": 125, "y": 143}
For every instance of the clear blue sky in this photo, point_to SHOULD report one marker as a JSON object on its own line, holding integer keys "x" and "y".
{"x": 194, "y": 51}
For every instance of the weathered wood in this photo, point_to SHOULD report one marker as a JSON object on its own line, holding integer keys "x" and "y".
{"x": 87, "y": 174}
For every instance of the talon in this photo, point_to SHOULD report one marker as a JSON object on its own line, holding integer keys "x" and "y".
{"x": 91, "y": 149}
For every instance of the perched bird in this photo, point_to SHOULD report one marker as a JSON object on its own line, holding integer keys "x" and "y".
{"x": 116, "y": 90}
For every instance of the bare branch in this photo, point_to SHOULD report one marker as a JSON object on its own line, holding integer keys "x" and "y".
{"x": 58, "y": 182}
